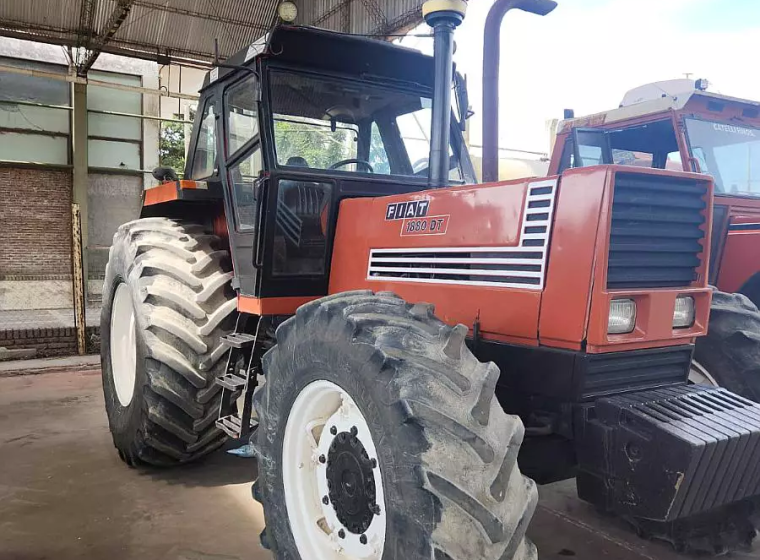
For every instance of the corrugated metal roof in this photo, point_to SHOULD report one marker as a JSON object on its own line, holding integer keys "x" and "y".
{"x": 184, "y": 30}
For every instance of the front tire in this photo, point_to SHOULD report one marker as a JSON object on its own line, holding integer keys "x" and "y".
{"x": 730, "y": 352}
{"x": 368, "y": 377}
{"x": 166, "y": 302}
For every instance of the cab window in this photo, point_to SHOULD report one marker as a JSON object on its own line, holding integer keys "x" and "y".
{"x": 344, "y": 125}
{"x": 651, "y": 145}
{"x": 204, "y": 157}
{"x": 243, "y": 145}
{"x": 242, "y": 116}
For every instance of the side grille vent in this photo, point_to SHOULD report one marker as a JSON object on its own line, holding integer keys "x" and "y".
{"x": 657, "y": 230}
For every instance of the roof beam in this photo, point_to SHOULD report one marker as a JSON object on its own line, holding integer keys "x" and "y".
{"x": 377, "y": 14}
{"x": 190, "y": 13}
{"x": 331, "y": 12}
{"x": 86, "y": 19}
{"x": 117, "y": 17}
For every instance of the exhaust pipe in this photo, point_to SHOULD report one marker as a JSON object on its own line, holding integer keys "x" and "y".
{"x": 491, "y": 52}
{"x": 443, "y": 16}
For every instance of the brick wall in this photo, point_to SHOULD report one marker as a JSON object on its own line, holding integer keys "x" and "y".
{"x": 35, "y": 222}
{"x": 51, "y": 341}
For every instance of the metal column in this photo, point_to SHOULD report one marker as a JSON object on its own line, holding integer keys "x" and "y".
{"x": 80, "y": 184}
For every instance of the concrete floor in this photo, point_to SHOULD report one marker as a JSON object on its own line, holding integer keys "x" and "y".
{"x": 64, "y": 493}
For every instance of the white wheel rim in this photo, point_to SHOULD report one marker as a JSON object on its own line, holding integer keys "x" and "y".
{"x": 320, "y": 407}
{"x": 123, "y": 346}
{"x": 699, "y": 375}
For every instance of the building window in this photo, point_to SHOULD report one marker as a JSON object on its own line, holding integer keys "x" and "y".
{"x": 34, "y": 114}
{"x": 115, "y": 141}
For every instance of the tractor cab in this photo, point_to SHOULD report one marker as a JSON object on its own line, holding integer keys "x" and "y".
{"x": 295, "y": 123}
{"x": 671, "y": 125}
{"x": 677, "y": 125}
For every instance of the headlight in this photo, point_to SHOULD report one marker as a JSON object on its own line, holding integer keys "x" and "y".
{"x": 683, "y": 314}
{"x": 622, "y": 318}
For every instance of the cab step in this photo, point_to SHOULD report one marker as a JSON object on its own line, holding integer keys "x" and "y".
{"x": 232, "y": 425}
{"x": 239, "y": 377}
{"x": 239, "y": 340}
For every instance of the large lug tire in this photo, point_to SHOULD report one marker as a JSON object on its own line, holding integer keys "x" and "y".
{"x": 730, "y": 352}
{"x": 445, "y": 484}
{"x": 167, "y": 301}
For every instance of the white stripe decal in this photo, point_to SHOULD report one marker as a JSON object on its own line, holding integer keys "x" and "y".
{"x": 521, "y": 266}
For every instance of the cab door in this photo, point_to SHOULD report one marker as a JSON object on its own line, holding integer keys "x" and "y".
{"x": 243, "y": 165}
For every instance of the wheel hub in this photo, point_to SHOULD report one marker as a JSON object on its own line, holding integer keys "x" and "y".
{"x": 350, "y": 482}
{"x": 333, "y": 481}
{"x": 123, "y": 344}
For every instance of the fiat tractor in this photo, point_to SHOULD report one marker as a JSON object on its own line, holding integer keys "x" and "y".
{"x": 328, "y": 282}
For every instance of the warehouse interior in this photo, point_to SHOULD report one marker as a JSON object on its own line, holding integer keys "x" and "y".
{"x": 94, "y": 94}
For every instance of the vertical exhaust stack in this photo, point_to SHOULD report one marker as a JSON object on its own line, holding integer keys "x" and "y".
{"x": 491, "y": 52}
{"x": 443, "y": 16}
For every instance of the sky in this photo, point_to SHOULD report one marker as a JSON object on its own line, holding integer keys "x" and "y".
{"x": 587, "y": 53}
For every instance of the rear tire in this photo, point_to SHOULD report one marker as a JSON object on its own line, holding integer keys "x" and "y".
{"x": 730, "y": 352}
{"x": 166, "y": 302}
{"x": 446, "y": 469}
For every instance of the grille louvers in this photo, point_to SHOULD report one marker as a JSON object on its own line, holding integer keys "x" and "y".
{"x": 657, "y": 226}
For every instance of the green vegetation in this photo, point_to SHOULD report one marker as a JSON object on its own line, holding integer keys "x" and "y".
{"x": 171, "y": 146}
{"x": 316, "y": 143}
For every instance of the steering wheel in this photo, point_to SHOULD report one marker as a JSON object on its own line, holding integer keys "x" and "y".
{"x": 420, "y": 165}
{"x": 343, "y": 162}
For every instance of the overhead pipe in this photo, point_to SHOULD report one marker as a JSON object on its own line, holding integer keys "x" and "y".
{"x": 491, "y": 55}
{"x": 443, "y": 16}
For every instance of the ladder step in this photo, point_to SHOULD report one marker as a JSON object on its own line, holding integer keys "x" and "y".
{"x": 231, "y": 381}
{"x": 238, "y": 340}
{"x": 231, "y": 425}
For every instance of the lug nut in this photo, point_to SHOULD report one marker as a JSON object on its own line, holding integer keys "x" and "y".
{"x": 363, "y": 539}
{"x": 354, "y": 431}
{"x": 325, "y": 500}
{"x": 342, "y": 534}
{"x": 374, "y": 463}
{"x": 375, "y": 509}
{"x": 333, "y": 430}
{"x": 322, "y": 459}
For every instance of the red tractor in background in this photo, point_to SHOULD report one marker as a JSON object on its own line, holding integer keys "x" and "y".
{"x": 677, "y": 124}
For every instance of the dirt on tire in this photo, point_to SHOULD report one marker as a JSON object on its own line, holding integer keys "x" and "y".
{"x": 448, "y": 455}
{"x": 179, "y": 277}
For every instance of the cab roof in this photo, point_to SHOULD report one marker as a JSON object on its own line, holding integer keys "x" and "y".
{"x": 683, "y": 102}
{"x": 321, "y": 50}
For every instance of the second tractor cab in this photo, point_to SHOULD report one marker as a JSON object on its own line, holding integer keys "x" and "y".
{"x": 679, "y": 125}
{"x": 278, "y": 294}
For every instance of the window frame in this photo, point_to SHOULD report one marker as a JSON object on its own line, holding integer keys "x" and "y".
{"x": 209, "y": 101}
{"x": 243, "y": 152}
{"x": 266, "y": 116}
{"x": 256, "y": 138}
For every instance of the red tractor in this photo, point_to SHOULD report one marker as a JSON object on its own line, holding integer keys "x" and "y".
{"x": 679, "y": 125}
{"x": 278, "y": 294}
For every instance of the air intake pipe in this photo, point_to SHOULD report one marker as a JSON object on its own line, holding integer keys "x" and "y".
{"x": 491, "y": 52}
{"x": 443, "y": 16}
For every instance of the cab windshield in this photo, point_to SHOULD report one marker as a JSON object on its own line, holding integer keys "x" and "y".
{"x": 728, "y": 152}
{"x": 334, "y": 124}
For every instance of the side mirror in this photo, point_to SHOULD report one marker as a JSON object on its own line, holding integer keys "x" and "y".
{"x": 164, "y": 174}
{"x": 463, "y": 100}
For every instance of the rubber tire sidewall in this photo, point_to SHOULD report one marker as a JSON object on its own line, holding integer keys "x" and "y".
{"x": 126, "y": 422}
{"x": 369, "y": 398}
{"x": 730, "y": 357}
